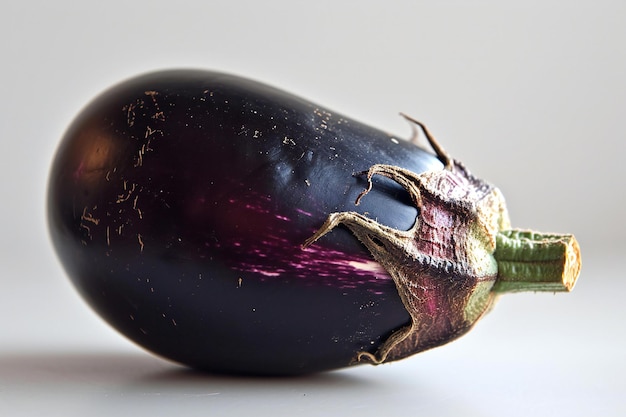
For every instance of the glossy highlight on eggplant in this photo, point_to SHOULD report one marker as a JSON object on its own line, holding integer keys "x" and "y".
{"x": 179, "y": 202}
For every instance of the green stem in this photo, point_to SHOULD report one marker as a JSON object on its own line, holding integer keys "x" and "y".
{"x": 531, "y": 261}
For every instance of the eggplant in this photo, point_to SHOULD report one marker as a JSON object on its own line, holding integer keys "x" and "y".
{"x": 211, "y": 219}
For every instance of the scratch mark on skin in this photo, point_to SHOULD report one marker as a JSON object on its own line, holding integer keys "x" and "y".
{"x": 141, "y": 245}
{"x": 124, "y": 197}
{"x": 84, "y": 226}
{"x": 88, "y": 217}
{"x": 140, "y": 158}
{"x": 150, "y": 132}
{"x": 137, "y": 209}
{"x": 149, "y": 135}
{"x": 159, "y": 115}
{"x": 130, "y": 111}
{"x": 108, "y": 236}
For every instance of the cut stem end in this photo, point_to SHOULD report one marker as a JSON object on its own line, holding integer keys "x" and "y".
{"x": 532, "y": 261}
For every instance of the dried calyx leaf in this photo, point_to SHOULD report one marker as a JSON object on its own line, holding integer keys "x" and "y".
{"x": 459, "y": 253}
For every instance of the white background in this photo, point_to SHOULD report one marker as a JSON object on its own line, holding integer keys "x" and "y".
{"x": 530, "y": 95}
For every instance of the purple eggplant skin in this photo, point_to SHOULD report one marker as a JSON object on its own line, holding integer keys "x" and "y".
{"x": 178, "y": 202}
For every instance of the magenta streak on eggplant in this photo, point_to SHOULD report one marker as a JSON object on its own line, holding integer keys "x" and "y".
{"x": 270, "y": 252}
{"x": 320, "y": 265}
{"x": 306, "y": 213}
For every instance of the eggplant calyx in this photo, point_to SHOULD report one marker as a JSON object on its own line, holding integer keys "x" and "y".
{"x": 443, "y": 266}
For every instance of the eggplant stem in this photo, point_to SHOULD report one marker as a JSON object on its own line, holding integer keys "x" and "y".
{"x": 532, "y": 261}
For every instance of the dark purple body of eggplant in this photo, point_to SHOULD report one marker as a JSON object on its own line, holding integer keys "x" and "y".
{"x": 179, "y": 200}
